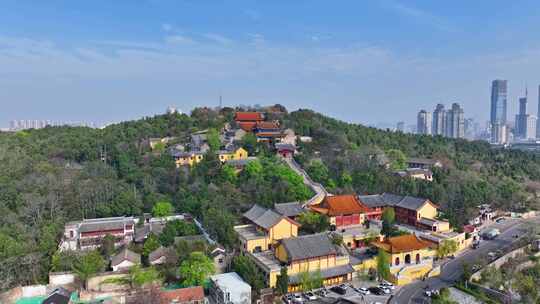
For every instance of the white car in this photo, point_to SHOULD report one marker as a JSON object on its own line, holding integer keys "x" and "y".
{"x": 362, "y": 290}
{"x": 310, "y": 296}
{"x": 297, "y": 298}
{"x": 387, "y": 285}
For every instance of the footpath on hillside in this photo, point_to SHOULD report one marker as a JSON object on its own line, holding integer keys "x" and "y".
{"x": 320, "y": 191}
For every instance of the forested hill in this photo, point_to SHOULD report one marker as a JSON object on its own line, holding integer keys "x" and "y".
{"x": 348, "y": 157}
{"x": 54, "y": 175}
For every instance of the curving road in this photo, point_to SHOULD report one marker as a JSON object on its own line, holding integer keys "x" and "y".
{"x": 452, "y": 270}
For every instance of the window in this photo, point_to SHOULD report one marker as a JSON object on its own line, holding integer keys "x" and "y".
{"x": 397, "y": 261}
{"x": 71, "y": 234}
{"x": 220, "y": 261}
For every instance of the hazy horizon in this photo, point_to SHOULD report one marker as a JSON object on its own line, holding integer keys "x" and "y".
{"x": 376, "y": 62}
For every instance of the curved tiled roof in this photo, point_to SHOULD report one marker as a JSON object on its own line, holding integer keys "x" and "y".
{"x": 248, "y": 116}
{"x": 265, "y": 218}
{"x": 308, "y": 246}
{"x": 343, "y": 204}
{"x": 403, "y": 243}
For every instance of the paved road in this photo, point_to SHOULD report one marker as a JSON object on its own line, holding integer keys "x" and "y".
{"x": 452, "y": 270}
{"x": 320, "y": 191}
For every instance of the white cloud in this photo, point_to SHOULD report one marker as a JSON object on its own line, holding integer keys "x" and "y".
{"x": 166, "y": 27}
{"x": 418, "y": 14}
{"x": 179, "y": 39}
{"x": 218, "y": 38}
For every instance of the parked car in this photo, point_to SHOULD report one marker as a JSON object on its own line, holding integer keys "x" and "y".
{"x": 322, "y": 292}
{"x": 344, "y": 286}
{"x": 492, "y": 255}
{"x": 376, "y": 291}
{"x": 287, "y": 299}
{"x": 310, "y": 296}
{"x": 362, "y": 290}
{"x": 339, "y": 290}
{"x": 386, "y": 290}
{"x": 388, "y": 285}
{"x": 500, "y": 220}
{"x": 297, "y": 298}
{"x": 476, "y": 267}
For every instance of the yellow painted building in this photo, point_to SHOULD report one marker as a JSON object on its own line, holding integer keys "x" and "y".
{"x": 237, "y": 154}
{"x": 410, "y": 257}
{"x": 266, "y": 227}
{"x": 312, "y": 254}
{"x": 192, "y": 158}
{"x": 187, "y": 158}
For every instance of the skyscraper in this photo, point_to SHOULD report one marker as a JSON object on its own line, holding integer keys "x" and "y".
{"x": 439, "y": 120}
{"x": 455, "y": 122}
{"x": 499, "y": 93}
{"x": 423, "y": 125}
{"x": 522, "y": 119}
{"x": 400, "y": 126}
{"x": 538, "y": 116}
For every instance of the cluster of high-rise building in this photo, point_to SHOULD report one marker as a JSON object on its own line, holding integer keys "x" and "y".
{"x": 526, "y": 126}
{"x": 17, "y": 125}
{"x": 444, "y": 122}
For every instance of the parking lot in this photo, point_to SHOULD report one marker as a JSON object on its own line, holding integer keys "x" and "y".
{"x": 352, "y": 292}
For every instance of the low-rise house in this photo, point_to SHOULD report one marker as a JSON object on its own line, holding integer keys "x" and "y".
{"x": 289, "y": 137}
{"x": 413, "y": 211}
{"x": 305, "y": 139}
{"x": 314, "y": 254}
{"x": 423, "y": 174}
{"x": 285, "y": 150}
{"x": 220, "y": 259}
{"x": 160, "y": 255}
{"x": 411, "y": 258}
{"x": 229, "y": 288}
{"x": 89, "y": 233}
{"x": 423, "y": 163}
{"x": 125, "y": 259}
{"x": 248, "y": 120}
{"x": 58, "y": 296}
{"x": 153, "y": 142}
{"x": 342, "y": 210}
{"x": 265, "y": 227}
{"x": 291, "y": 210}
{"x": 233, "y": 154}
{"x": 144, "y": 231}
{"x": 189, "y": 295}
{"x": 187, "y": 158}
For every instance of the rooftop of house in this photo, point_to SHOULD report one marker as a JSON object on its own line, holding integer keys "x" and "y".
{"x": 308, "y": 246}
{"x": 125, "y": 255}
{"x": 403, "y": 243}
{"x": 158, "y": 253}
{"x": 291, "y": 209}
{"x": 267, "y": 125}
{"x": 141, "y": 233}
{"x": 265, "y": 218}
{"x": 392, "y": 200}
{"x": 267, "y": 259}
{"x": 249, "y": 232}
{"x": 340, "y": 205}
{"x": 58, "y": 296}
{"x": 231, "y": 282}
{"x": 248, "y": 116}
{"x": 182, "y": 295}
{"x": 103, "y": 224}
{"x": 285, "y": 147}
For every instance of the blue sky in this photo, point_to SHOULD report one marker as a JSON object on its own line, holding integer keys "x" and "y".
{"x": 362, "y": 61}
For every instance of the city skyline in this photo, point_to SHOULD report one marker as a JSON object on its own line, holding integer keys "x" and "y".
{"x": 70, "y": 61}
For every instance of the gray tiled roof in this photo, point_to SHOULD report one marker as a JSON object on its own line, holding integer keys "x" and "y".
{"x": 104, "y": 224}
{"x": 326, "y": 273}
{"x": 411, "y": 203}
{"x": 392, "y": 200}
{"x": 372, "y": 201}
{"x": 289, "y": 209}
{"x": 126, "y": 255}
{"x": 263, "y": 217}
{"x": 308, "y": 246}
{"x": 158, "y": 253}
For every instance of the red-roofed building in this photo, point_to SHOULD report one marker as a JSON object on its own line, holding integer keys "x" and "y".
{"x": 190, "y": 295}
{"x": 248, "y": 116}
{"x": 342, "y": 210}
